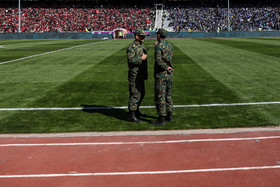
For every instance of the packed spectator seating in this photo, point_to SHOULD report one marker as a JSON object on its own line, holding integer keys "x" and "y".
{"x": 213, "y": 19}
{"x": 189, "y": 18}
{"x": 74, "y": 19}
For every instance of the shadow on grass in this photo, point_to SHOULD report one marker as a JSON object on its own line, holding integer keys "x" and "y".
{"x": 117, "y": 113}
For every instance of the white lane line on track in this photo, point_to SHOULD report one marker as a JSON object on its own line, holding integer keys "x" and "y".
{"x": 140, "y": 143}
{"x": 141, "y": 172}
{"x": 23, "y": 58}
{"x": 125, "y": 107}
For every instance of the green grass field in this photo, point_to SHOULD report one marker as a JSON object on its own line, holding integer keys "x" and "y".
{"x": 94, "y": 73}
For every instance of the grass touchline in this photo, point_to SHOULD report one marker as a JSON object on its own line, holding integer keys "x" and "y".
{"x": 37, "y": 55}
{"x": 125, "y": 107}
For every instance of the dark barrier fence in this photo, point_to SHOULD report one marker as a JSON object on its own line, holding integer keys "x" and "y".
{"x": 98, "y": 35}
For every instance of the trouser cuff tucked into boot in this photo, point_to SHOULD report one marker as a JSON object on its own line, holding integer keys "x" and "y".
{"x": 160, "y": 121}
{"x": 132, "y": 117}
{"x": 169, "y": 117}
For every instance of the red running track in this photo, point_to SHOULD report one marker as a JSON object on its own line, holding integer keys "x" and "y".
{"x": 232, "y": 159}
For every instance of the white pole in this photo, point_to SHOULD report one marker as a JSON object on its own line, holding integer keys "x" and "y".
{"x": 228, "y": 18}
{"x": 19, "y": 16}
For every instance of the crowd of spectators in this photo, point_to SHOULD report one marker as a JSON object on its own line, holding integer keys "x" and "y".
{"x": 75, "y": 19}
{"x": 191, "y": 18}
{"x": 213, "y": 19}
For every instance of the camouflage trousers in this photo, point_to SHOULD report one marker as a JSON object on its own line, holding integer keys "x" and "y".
{"x": 136, "y": 94}
{"x": 163, "y": 95}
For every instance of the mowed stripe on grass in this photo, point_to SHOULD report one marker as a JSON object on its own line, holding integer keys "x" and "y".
{"x": 205, "y": 72}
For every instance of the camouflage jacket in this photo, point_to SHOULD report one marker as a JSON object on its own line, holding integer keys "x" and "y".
{"x": 137, "y": 68}
{"x": 163, "y": 59}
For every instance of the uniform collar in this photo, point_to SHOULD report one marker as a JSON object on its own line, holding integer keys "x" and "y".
{"x": 136, "y": 42}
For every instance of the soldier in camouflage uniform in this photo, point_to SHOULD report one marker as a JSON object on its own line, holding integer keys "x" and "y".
{"x": 137, "y": 74}
{"x": 163, "y": 73}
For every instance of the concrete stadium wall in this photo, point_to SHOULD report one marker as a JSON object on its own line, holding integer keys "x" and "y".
{"x": 222, "y": 34}
{"x": 234, "y": 34}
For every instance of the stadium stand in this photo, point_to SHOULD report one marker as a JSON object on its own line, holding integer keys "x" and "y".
{"x": 62, "y": 16}
{"x": 213, "y": 19}
{"x": 75, "y": 19}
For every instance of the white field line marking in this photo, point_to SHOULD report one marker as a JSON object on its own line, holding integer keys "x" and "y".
{"x": 23, "y": 58}
{"x": 2, "y": 46}
{"x": 140, "y": 143}
{"x": 141, "y": 172}
{"x": 125, "y": 107}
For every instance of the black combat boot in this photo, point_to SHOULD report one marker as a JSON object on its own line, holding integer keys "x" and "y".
{"x": 132, "y": 117}
{"x": 160, "y": 121}
{"x": 169, "y": 117}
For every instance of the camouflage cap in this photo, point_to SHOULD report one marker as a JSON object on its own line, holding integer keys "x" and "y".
{"x": 162, "y": 32}
{"x": 140, "y": 32}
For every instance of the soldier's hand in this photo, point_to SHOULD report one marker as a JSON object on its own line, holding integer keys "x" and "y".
{"x": 156, "y": 42}
{"x": 144, "y": 56}
{"x": 170, "y": 68}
